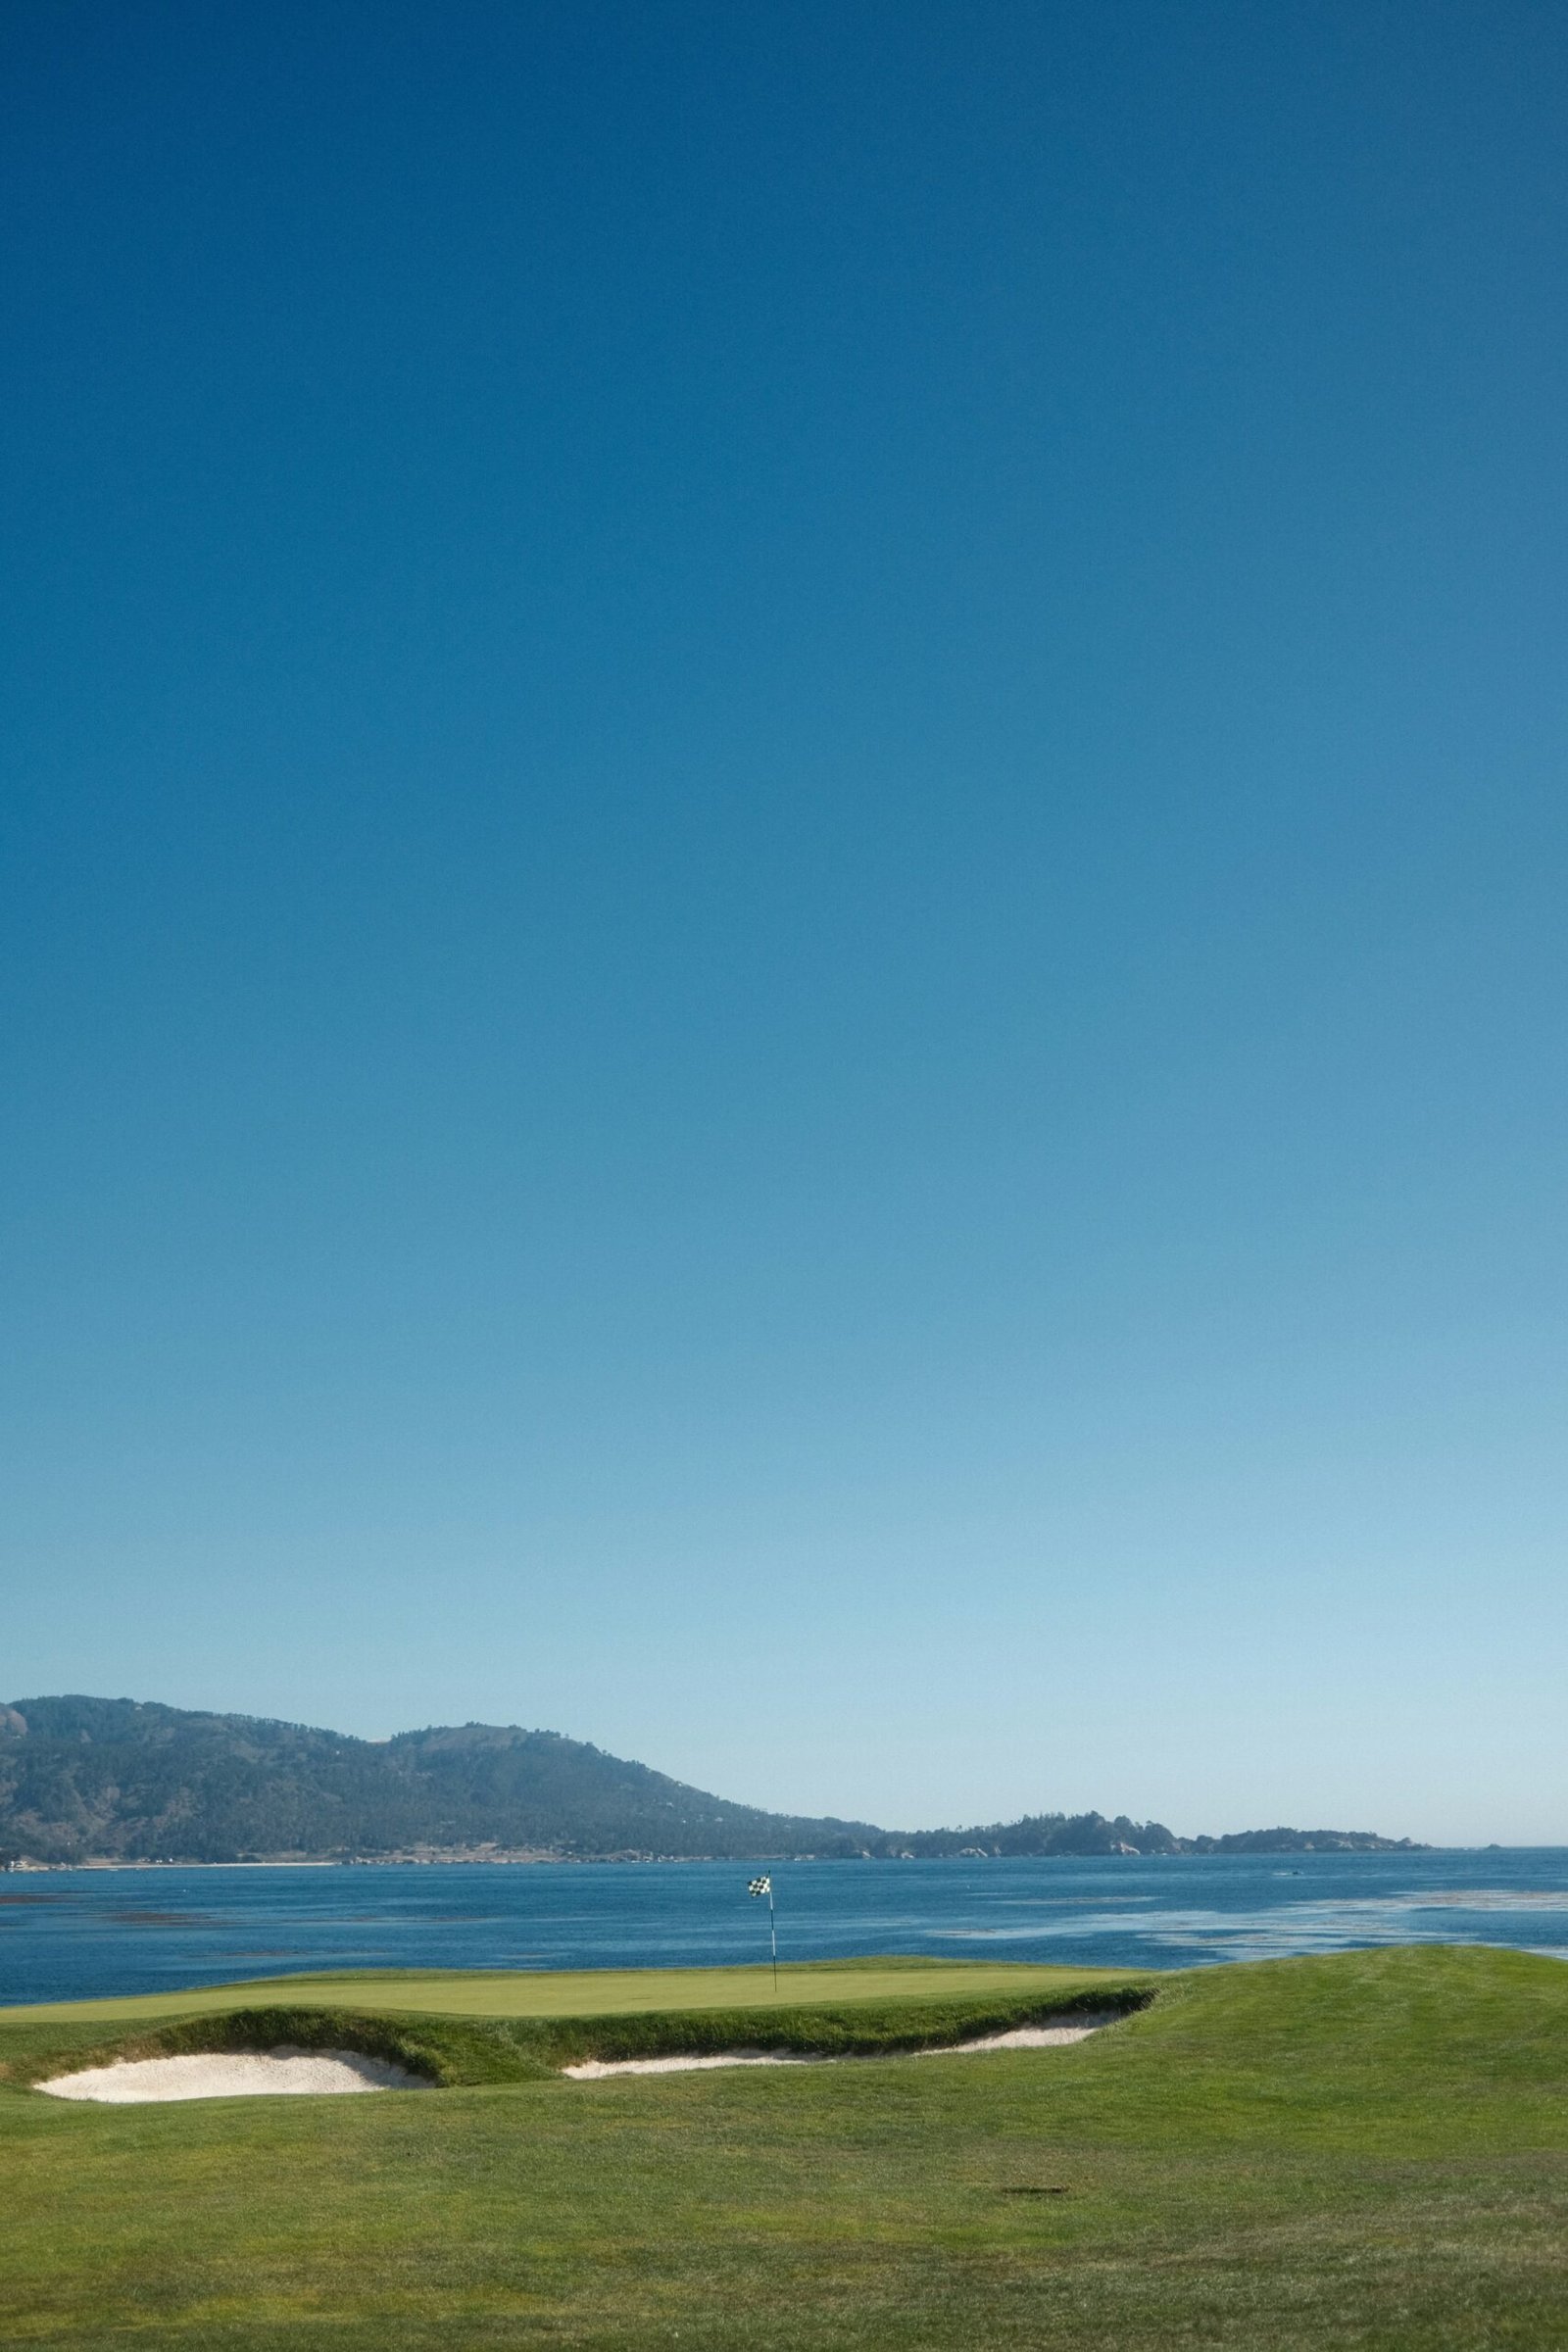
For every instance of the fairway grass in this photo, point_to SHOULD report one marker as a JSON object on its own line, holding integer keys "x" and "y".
{"x": 1368, "y": 2149}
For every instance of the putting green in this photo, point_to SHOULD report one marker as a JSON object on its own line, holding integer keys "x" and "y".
{"x": 592, "y": 1993}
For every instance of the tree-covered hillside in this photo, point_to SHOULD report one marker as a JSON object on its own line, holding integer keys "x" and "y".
{"x": 116, "y": 1778}
{"x": 82, "y": 1777}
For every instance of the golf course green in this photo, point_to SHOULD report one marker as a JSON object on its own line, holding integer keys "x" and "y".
{"x": 600, "y": 1992}
{"x": 1367, "y": 2149}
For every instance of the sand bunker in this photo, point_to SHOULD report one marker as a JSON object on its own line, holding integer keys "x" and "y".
{"x": 1021, "y": 2037}
{"x": 233, "y": 2075}
{"x": 591, "y": 2069}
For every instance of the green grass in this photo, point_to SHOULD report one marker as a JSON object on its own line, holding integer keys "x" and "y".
{"x": 600, "y": 1992}
{"x": 1367, "y": 2150}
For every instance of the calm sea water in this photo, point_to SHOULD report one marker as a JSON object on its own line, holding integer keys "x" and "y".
{"x": 74, "y": 1935}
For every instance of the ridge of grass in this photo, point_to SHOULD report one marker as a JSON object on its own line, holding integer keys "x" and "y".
{"x": 465, "y": 2052}
{"x": 863, "y": 2030}
{"x": 445, "y": 2051}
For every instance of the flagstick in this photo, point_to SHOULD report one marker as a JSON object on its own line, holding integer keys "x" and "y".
{"x": 762, "y": 1883}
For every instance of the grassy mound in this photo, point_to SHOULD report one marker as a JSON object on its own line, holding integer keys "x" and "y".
{"x": 441, "y": 2050}
{"x": 458, "y": 2051}
{"x": 858, "y": 2030}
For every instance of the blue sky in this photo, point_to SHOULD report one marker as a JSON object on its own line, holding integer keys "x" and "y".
{"x": 783, "y": 868}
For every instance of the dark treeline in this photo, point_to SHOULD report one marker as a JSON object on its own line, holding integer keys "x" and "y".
{"x": 88, "y": 1779}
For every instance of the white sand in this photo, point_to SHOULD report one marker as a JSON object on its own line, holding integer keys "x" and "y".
{"x": 592, "y": 2069}
{"x": 232, "y": 2074}
{"x": 1021, "y": 2037}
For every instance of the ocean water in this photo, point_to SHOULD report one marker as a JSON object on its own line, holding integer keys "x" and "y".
{"x": 79, "y": 1935}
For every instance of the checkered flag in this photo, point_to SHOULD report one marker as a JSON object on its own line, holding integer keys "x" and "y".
{"x": 764, "y": 1885}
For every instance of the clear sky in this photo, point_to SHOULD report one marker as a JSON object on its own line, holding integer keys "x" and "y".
{"x": 784, "y": 857}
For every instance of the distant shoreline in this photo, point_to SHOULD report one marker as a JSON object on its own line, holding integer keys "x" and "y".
{"x": 91, "y": 1783}
{"x": 100, "y": 1865}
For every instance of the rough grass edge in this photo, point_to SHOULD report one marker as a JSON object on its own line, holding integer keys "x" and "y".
{"x": 472, "y": 2053}
{"x": 858, "y": 2030}
{"x": 441, "y": 2050}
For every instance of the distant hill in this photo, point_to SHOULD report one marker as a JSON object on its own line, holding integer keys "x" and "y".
{"x": 89, "y": 1778}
